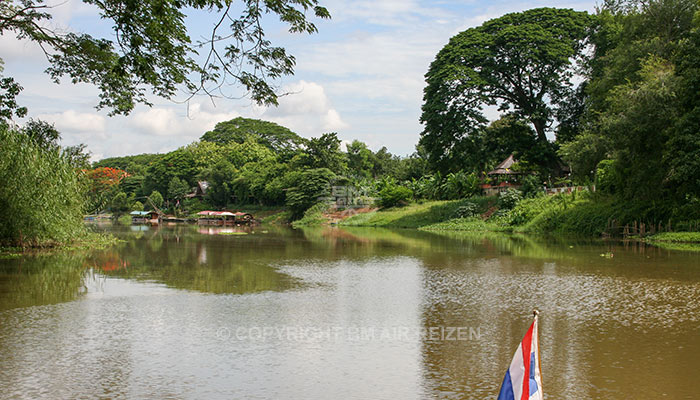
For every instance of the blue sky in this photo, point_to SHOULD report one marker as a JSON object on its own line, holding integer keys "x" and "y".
{"x": 360, "y": 76}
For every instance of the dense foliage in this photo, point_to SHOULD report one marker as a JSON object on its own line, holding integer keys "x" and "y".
{"x": 41, "y": 195}
{"x": 631, "y": 126}
{"x": 520, "y": 62}
{"x": 640, "y": 124}
{"x": 247, "y": 162}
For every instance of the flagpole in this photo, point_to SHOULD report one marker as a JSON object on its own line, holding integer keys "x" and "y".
{"x": 536, "y": 314}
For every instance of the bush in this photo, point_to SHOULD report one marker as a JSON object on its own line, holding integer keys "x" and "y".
{"x": 119, "y": 203}
{"x": 309, "y": 187}
{"x": 41, "y": 197}
{"x": 194, "y": 205}
{"x": 394, "y": 196}
{"x": 156, "y": 198}
{"x": 607, "y": 179}
{"x": 469, "y": 209}
{"x": 459, "y": 185}
{"x": 313, "y": 216}
{"x": 137, "y": 206}
{"x": 508, "y": 199}
{"x": 527, "y": 209}
{"x": 532, "y": 186}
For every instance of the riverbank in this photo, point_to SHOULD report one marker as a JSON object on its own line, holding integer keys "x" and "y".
{"x": 676, "y": 240}
{"x": 576, "y": 214}
{"x": 86, "y": 241}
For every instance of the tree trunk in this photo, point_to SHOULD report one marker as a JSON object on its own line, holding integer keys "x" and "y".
{"x": 540, "y": 129}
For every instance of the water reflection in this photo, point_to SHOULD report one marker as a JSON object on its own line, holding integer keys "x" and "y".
{"x": 39, "y": 279}
{"x": 184, "y": 257}
{"x": 145, "y": 317}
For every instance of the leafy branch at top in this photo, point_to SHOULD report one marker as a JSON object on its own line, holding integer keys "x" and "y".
{"x": 152, "y": 51}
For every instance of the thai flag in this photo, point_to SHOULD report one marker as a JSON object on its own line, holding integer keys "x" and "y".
{"x": 523, "y": 380}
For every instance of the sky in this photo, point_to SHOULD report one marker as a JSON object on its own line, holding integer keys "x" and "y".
{"x": 361, "y": 75}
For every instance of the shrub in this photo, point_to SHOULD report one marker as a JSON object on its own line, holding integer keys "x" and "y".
{"x": 313, "y": 216}
{"x": 532, "y": 186}
{"x": 459, "y": 185}
{"x": 607, "y": 179}
{"x": 394, "y": 196}
{"x": 119, "y": 203}
{"x": 469, "y": 209}
{"x": 137, "y": 206}
{"x": 156, "y": 198}
{"x": 508, "y": 199}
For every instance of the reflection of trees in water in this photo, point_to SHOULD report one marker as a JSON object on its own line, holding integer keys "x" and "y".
{"x": 41, "y": 279}
{"x": 184, "y": 259}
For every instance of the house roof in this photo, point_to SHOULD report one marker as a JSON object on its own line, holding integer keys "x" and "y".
{"x": 140, "y": 213}
{"x": 203, "y": 186}
{"x": 505, "y": 167}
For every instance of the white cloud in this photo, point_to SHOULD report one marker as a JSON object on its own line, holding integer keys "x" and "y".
{"x": 305, "y": 110}
{"x": 384, "y": 12}
{"x": 166, "y": 121}
{"x": 157, "y": 121}
{"x": 76, "y": 122}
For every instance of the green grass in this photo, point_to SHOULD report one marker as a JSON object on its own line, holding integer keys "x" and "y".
{"x": 86, "y": 241}
{"x": 579, "y": 214}
{"x": 278, "y": 217}
{"x": 416, "y": 215}
{"x": 313, "y": 216}
{"x": 675, "y": 237}
{"x": 563, "y": 214}
{"x": 472, "y": 224}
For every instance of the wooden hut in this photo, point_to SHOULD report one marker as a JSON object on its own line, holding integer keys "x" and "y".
{"x": 221, "y": 218}
{"x": 503, "y": 177}
{"x": 144, "y": 217}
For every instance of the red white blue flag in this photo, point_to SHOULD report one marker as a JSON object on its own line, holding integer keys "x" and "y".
{"x": 523, "y": 380}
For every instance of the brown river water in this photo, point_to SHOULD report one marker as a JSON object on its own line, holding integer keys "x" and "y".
{"x": 338, "y": 313}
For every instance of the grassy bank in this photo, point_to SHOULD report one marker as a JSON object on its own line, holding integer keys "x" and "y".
{"x": 576, "y": 214}
{"x": 313, "y": 216}
{"x": 418, "y": 215}
{"x": 86, "y": 241}
{"x": 686, "y": 241}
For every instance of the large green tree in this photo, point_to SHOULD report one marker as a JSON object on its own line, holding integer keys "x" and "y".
{"x": 522, "y": 62}
{"x": 151, "y": 51}
{"x": 322, "y": 152}
{"x": 273, "y": 136}
{"x": 360, "y": 159}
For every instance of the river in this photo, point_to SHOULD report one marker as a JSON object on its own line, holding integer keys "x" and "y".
{"x": 274, "y": 313}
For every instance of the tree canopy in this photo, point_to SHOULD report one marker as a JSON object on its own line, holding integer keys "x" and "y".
{"x": 151, "y": 51}
{"x": 271, "y": 135}
{"x": 521, "y": 62}
{"x": 640, "y": 119}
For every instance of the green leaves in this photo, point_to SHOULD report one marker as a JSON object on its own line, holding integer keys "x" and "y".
{"x": 152, "y": 52}
{"x": 521, "y": 61}
{"x": 309, "y": 187}
{"x": 271, "y": 135}
{"x": 9, "y": 89}
{"x": 41, "y": 197}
